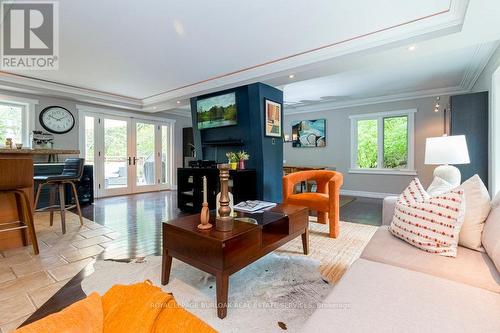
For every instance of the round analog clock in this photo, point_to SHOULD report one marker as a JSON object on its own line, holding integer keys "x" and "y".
{"x": 56, "y": 119}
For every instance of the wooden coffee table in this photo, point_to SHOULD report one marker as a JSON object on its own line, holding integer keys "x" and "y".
{"x": 224, "y": 253}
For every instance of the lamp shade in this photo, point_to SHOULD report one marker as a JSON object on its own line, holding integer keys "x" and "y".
{"x": 446, "y": 150}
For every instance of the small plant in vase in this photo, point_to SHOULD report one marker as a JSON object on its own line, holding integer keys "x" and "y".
{"x": 242, "y": 157}
{"x": 232, "y": 159}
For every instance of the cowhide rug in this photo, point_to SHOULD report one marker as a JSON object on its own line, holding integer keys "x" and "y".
{"x": 274, "y": 294}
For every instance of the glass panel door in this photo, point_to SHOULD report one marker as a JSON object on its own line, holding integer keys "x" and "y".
{"x": 165, "y": 155}
{"x": 89, "y": 140}
{"x": 129, "y": 155}
{"x": 145, "y": 157}
{"x": 115, "y": 156}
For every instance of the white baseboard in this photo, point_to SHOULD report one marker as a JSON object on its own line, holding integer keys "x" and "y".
{"x": 377, "y": 195}
{"x": 173, "y": 187}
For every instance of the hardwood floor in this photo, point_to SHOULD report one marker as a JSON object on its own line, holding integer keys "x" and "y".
{"x": 138, "y": 219}
{"x": 363, "y": 210}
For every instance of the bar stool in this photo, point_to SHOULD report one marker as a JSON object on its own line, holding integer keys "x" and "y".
{"x": 18, "y": 169}
{"x": 72, "y": 172}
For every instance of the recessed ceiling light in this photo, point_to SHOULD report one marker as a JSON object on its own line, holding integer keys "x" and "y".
{"x": 178, "y": 102}
{"x": 291, "y": 76}
{"x": 412, "y": 47}
{"x": 178, "y": 27}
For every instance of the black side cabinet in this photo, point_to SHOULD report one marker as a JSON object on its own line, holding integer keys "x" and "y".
{"x": 84, "y": 188}
{"x": 242, "y": 184}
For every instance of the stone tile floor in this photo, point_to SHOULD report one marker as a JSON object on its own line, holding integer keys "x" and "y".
{"x": 27, "y": 281}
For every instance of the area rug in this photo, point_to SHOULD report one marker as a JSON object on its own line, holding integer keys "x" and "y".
{"x": 275, "y": 289}
{"x": 280, "y": 291}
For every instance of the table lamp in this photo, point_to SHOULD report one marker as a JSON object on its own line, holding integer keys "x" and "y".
{"x": 446, "y": 150}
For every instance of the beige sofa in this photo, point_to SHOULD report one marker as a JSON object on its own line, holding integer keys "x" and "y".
{"x": 395, "y": 287}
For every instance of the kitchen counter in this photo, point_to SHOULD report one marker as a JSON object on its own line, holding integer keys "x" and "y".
{"x": 39, "y": 151}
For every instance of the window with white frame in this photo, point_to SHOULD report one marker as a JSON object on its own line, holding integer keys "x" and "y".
{"x": 15, "y": 122}
{"x": 383, "y": 142}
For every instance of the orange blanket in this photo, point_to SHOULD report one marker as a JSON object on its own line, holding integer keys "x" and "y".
{"x": 137, "y": 308}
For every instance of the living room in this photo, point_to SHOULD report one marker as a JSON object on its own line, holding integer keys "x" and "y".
{"x": 331, "y": 170}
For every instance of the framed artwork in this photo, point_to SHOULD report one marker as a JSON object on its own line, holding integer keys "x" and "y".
{"x": 273, "y": 119}
{"x": 309, "y": 133}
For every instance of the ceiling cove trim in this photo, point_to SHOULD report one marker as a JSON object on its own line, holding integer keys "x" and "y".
{"x": 30, "y": 85}
{"x": 477, "y": 63}
{"x": 326, "y": 106}
{"x": 456, "y": 9}
{"x": 178, "y": 112}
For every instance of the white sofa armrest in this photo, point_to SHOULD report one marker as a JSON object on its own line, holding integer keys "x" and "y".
{"x": 388, "y": 209}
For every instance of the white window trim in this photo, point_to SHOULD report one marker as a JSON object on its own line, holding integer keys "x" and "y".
{"x": 28, "y": 116}
{"x": 410, "y": 170}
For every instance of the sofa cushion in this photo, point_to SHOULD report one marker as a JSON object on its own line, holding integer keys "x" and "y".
{"x": 432, "y": 224}
{"x": 470, "y": 267}
{"x": 374, "y": 297}
{"x": 477, "y": 208}
{"x": 491, "y": 232}
{"x": 315, "y": 201}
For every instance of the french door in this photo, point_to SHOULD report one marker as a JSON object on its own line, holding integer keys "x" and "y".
{"x": 129, "y": 155}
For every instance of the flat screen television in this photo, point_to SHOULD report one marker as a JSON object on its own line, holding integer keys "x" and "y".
{"x": 217, "y": 111}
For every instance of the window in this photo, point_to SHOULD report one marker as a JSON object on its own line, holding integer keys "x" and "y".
{"x": 382, "y": 142}
{"x": 15, "y": 122}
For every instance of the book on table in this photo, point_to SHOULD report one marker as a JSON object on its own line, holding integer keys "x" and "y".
{"x": 252, "y": 206}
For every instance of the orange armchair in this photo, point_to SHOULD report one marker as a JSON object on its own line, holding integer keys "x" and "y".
{"x": 325, "y": 200}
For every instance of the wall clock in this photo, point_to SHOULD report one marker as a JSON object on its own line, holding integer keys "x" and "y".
{"x": 57, "y": 119}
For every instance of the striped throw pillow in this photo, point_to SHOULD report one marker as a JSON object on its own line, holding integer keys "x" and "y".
{"x": 431, "y": 224}
{"x": 415, "y": 192}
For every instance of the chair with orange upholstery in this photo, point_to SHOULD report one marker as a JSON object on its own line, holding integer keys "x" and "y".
{"x": 325, "y": 200}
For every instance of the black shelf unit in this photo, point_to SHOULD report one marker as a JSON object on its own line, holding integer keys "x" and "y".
{"x": 242, "y": 185}
{"x": 223, "y": 143}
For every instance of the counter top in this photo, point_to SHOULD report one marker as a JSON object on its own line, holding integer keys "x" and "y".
{"x": 31, "y": 151}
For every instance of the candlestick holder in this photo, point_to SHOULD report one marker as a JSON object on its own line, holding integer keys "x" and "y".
{"x": 225, "y": 221}
{"x": 204, "y": 217}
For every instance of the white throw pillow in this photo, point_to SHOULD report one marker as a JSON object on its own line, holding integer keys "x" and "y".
{"x": 439, "y": 186}
{"x": 491, "y": 232}
{"x": 477, "y": 208}
{"x": 430, "y": 224}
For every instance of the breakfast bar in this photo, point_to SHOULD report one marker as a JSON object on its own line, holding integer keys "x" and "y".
{"x": 13, "y": 237}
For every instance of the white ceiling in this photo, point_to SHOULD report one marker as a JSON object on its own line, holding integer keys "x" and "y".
{"x": 147, "y": 55}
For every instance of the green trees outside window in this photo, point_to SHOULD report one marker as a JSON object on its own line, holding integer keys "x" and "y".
{"x": 11, "y": 123}
{"x": 396, "y": 142}
{"x": 394, "y": 150}
{"x": 367, "y": 143}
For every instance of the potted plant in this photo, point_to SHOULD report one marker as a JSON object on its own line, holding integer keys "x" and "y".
{"x": 232, "y": 159}
{"x": 242, "y": 157}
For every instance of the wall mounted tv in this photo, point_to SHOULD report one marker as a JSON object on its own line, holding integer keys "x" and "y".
{"x": 217, "y": 111}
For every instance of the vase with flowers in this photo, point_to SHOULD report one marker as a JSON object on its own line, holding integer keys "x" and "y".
{"x": 242, "y": 157}
{"x": 232, "y": 159}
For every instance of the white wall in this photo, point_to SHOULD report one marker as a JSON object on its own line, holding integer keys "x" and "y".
{"x": 337, "y": 152}
{"x": 70, "y": 139}
{"x": 489, "y": 80}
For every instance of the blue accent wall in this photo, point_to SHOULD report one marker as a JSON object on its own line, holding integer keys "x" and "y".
{"x": 266, "y": 153}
